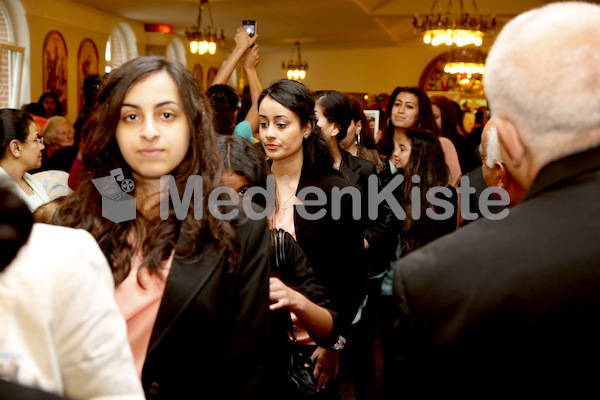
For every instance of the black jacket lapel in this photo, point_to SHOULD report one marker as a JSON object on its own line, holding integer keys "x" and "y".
{"x": 183, "y": 284}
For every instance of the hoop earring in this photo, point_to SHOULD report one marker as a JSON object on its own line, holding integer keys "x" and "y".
{"x": 418, "y": 125}
{"x": 358, "y": 141}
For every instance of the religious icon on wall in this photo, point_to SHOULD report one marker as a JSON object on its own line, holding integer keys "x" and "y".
{"x": 55, "y": 67}
{"x": 198, "y": 75}
{"x": 87, "y": 64}
{"x": 210, "y": 76}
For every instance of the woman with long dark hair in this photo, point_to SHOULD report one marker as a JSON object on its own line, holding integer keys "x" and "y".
{"x": 408, "y": 108}
{"x": 449, "y": 126}
{"x": 51, "y": 104}
{"x": 193, "y": 287}
{"x": 306, "y": 180}
{"x": 419, "y": 157}
{"x": 334, "y": 117}
{"x": 419, "y": 154}
{"x": 293, "y": 287}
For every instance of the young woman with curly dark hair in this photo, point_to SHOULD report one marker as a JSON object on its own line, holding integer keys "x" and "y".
{"x": 193, "y": 288}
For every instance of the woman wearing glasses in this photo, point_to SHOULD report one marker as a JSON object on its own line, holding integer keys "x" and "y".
{"x": 20, "y": 151}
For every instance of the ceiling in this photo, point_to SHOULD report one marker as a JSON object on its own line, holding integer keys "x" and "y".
{"x": 316, "y": 24}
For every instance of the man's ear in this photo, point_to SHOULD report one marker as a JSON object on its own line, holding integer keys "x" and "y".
{"x": 511, "y": 145}
{"x": 501, "y": 175}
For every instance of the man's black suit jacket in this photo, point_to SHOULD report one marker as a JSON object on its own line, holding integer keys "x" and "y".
{"x": 508, "y": 308}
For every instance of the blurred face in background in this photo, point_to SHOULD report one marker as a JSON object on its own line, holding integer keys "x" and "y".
{"x": 437, "y": 115}
{"x": 49, "y": 106}
{"x": 64, "y": 135}
{"x": 405, "y": 111}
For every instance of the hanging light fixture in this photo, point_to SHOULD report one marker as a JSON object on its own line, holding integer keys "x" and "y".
{"x": 203, "y": 41}
{"x": 467, "y": 64}
{"x": 450, "y": 29}
{"x": 296, "y": 69}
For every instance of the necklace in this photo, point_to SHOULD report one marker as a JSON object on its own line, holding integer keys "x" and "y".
{"x": 284, "y": 205}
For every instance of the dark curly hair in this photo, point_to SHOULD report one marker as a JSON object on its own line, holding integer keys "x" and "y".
{"x": 154, "y": 238}
{"x": 427, "y": 162}
{"x": 225, "y": 102}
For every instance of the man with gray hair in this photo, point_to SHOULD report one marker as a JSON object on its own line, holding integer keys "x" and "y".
{"x": 510, "y": 308}
{"x": 492, "y": 173}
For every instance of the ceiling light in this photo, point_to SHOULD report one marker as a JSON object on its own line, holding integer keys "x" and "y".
{"x": 203, "y": 41}
{"x": 461, "y": 30}
{"x": 296, "y": 69}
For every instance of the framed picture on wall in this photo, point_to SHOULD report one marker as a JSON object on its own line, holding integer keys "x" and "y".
{"x": 373, "y": 118}
{"x": 199, "y": 75}
{"x": 55, "y": 67}
{"x": 210, "y": 76}
{"x": 87, "y": 64}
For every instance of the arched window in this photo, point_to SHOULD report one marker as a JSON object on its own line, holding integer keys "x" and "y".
{"x": 176, "y": 51}
{"x": 120, "y": 47}
{"x": 11, "y": 61}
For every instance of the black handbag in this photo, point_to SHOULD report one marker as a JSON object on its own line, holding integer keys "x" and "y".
{"x": 299, "y": 367}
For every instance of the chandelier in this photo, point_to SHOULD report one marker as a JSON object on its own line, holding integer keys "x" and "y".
{"x": 203, "y": 40}
{"x": 450, "y": 29}
{"x": 468, "y": 65}
{"x": 296, "y": 69}
{"x": 464, "y": 68}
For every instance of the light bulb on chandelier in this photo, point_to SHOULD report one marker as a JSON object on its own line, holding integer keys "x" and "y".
{"x": 446, "y": 29}
{"x": 296, "y": 69}
{"x": 203, "y": 41}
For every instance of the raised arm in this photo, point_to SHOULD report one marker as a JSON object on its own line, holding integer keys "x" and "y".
{"x": 249, "y": 62}
{"x": 242, "y": 43}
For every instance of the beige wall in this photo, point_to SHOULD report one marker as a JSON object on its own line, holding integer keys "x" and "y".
{"x": 370, "y": 70}
{"x": 76, "y": 22}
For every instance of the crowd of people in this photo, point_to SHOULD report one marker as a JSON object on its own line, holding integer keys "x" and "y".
{"x": 418, "y": 262}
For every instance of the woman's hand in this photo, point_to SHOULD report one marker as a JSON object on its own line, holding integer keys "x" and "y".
{"x": 326, "y": 365}
{"x": 243, "y": 41}
{"x": 250, "y": 59}
{"x": 281, "y": 295}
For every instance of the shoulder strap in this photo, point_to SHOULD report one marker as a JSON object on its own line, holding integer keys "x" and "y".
{"x": 278, "y": 243}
